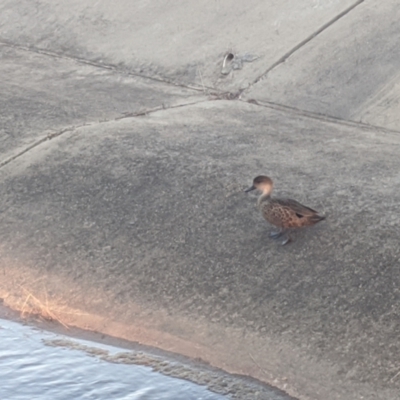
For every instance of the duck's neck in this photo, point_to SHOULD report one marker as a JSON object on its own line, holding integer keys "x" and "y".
{"x": 264, "y": 198}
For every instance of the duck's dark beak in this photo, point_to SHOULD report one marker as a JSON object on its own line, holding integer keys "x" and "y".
{"x": 250, "y": 189}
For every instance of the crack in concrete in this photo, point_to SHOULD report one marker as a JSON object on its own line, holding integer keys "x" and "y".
{"x": 109, "y": 67}
{"x": 38, "y": 142}
{"x": 270, "y": 105}
{"x": 320, "y": 117}
{"x": 73, "y": 128}
{"x": 214, "y": 91}
{"x": 305, "y": 41}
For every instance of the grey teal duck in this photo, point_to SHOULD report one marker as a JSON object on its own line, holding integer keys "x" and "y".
{"x": 285, "y": 214}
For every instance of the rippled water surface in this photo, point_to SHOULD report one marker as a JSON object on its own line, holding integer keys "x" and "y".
{"x": 31, "y": 369}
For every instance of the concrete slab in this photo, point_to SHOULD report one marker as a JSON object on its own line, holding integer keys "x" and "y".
{"x": 349, "y": 71}
{"x": 143, "y": 222}
{"x": 182, "y": 41}
{"x": 41, "y": 95}
{"x": 383, "y": 108}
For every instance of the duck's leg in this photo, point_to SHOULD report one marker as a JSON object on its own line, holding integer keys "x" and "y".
{"x": 281, "y": 234}
{"x": 285, "y": 238}
{"x": 276, "y": 234}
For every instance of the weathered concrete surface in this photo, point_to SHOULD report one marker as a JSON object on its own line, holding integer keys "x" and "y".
{"x": 139, "y": 228}
{"x": 183, "y": 41}
{"x": 349, "y": 71}
{"x": 151, "y": 213}
{"x": 41, "y": 95}
{"x": 383, "y": 107}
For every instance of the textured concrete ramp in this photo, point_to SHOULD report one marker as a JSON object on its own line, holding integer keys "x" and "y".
{"x": 183, "y": 41}
{"x": 349, "y": 71}
{"x": 122, "y": 207}
{"x": 42, "y": 95}
{"x": 149, "y": 213}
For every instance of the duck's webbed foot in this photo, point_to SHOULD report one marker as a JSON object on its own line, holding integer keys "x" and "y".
{"x": 280, "y": 235}
{"x": 276, "y": 234}
{"x": 285, "y": 239}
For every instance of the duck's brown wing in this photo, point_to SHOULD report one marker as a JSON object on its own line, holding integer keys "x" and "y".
{"x": 296, "y": 207}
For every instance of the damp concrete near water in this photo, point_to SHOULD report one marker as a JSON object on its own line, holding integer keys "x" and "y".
{"x": 37, "y": 364}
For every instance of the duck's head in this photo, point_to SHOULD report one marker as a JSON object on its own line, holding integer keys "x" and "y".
{"x": 262, "y": 183}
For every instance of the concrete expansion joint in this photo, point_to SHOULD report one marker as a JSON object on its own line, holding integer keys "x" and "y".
{"x": 49, "y": 136}
{"x": 304, "y": 42}
{"x": 229, "y": 96}
{"x": 53, "y": 135}
{"x": 109, "y": 67}
{"x": 320, "y": 117}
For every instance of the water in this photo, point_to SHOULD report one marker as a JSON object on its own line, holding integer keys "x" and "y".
{"x": 43, "y": 365}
